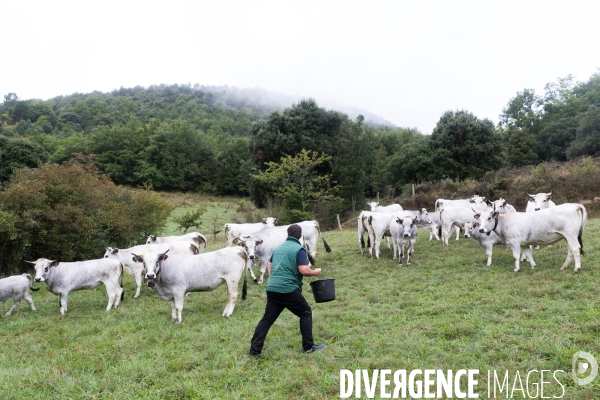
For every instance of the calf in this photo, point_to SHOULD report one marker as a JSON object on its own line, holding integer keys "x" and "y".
{"x": 404, "y": 231}
{"x": 173, "y": 277}
{"x": 544, "y": 227}
{"x": 234, "y": 231}
{"x": 16, "y": 287}
{"x": 137, "y": 270}
{"x": 483, "y": 240}
{"x": 62, "y": 278}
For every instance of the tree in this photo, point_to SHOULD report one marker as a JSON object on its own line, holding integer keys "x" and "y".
{"x": 464, "y": 146}
{"x": 352, "y": 163}
{"x": 190, "y": 219}
{"x": 587, "y": 140}
{"x": 303, "y": 126}
{"x": 413, "y": 164}
{"x": 296, "y": 177}
{"x": 19, "y": 153}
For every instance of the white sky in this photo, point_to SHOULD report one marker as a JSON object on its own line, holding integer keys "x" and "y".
{"x": 408, "y": 61}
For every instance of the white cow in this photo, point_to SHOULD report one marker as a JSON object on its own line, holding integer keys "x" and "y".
{"x": 404, "y": 231}
{"x": 196, "y": 237}
{"x": 137, "y": 270}
{"x": 434, "y": 225}
{"x": 501, "y": 206}
{"x": 62, "y": 278}
{"x": 375, "y": 207}
{"x": 361, "y": 233}
{"x": 16, "y": 287}
{"x": 173, "y": 277}
{"x": 378, "y": 226}
{"x": 456, "y": 216}
{"x": 483, "y": 240}
{"x": 234, "y": 231}
{"x": 544, "y": 227}
{"x": 442, "y": 203}
{"x": 538, "y": 202}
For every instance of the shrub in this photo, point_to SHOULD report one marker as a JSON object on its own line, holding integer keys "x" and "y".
{"x": 70, "y": 212}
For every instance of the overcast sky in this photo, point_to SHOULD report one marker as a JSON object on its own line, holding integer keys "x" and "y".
{"x": 408, "y": 62}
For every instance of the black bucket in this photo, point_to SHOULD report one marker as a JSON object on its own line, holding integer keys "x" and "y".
{"x": 323, "y": 290}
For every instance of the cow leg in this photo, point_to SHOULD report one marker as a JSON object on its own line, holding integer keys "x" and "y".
{"x": 401, "y": 255}
{"x": 114, "y": 294}
{"x": 16, "y": 302}
{"x": 63, "y": 302}
{"x": 173, "y": 311}
{"x": 457, "y": 229}
{"x": 410, "y": 250}
{"x": 529, "y": 256}
{"x": 249, "y": 265}
{"x": 524, "y": 256}
{"x": 232, "y": 295}
{"x": 395, "y": 243}
{"x": 29, "y": 300}
{"x": 573, "y": 252}
{"x": 139, "y": 279}
{"x": 388, "y": 242}
{"x": 178, "y": 301}
{"x": 263, "y": 268}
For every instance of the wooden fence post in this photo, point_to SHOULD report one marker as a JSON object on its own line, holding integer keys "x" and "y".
{"x": 339, "y": 224}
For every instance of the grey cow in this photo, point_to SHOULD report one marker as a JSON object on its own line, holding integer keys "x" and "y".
{"x": 62, "y": 278}
{"x": 404, "y": 231}
{"x": 173, "y": 277}
{"x": 16, "y": 287}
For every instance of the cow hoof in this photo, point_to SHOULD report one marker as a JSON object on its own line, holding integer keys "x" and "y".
{"x": 515, "y": 270}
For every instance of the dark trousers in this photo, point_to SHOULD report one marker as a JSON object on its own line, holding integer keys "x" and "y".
{"x": 276, "y": 303}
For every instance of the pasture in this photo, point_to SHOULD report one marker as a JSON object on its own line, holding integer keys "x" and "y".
{"x": 446, "y": 311}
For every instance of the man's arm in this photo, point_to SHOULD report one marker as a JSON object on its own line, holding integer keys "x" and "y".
{"x": 269, "y": 265}
{"x": 306, "y": 271}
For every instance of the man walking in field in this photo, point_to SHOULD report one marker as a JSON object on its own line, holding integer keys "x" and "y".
{"x": 287, "y": 267}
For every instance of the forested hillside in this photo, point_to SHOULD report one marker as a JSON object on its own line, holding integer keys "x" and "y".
{"x": 219, "y": 141}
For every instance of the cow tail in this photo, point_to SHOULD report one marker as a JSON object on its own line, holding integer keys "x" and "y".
{"x": 35, "y": 289}
{"x": 122, "y": 291}
{"x": 245, "y": 286}
{"x": 580, "y": 236}
{"x": 327, "y": 248}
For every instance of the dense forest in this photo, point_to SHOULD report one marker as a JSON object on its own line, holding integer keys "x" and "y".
{"x": 214, "y": 140}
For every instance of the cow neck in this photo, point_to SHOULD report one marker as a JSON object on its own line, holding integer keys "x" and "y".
{"x": 495, "y": 223}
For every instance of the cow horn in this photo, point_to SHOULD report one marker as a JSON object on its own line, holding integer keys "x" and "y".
{"x": 30, "y": 262}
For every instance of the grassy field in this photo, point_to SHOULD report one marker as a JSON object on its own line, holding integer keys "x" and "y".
{"x": 446, "y": 311}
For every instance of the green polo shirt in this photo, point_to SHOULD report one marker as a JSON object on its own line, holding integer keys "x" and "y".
{"x": 285, "y": 277}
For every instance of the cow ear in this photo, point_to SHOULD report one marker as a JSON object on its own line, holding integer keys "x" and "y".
{"x": 550, "y": 197}
{"x": 54, "y": 263}
{"x": 115, "y": 251}
{"x": 163, "y": 257}
{"x": 400, "y": 221}
{"x": 137, "y": 258}
{"x": 495, "y": 214}
{"x": 264, "y": 221}
{"x": 477, "y": 216}
{"x": 259, "y": 242}
{"x": 475, "y": 224}
{"x": 472, "y": 201}
{"x": 240, "y": 243}
{"x": 276, "y": 220}
{"x": 415, "y": 221}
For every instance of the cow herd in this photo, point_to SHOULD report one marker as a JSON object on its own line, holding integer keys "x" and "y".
{"x": 173, "y": 266}
{"x": 490, "y": 223}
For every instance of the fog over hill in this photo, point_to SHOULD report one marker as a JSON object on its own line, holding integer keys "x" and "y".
{"x": 270, "y": 100}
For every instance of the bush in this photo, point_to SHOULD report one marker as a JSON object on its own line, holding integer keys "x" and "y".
{"x": 70, "y": 212}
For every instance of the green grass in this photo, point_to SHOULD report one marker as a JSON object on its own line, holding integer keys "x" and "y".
{"x": 446, "y": 311}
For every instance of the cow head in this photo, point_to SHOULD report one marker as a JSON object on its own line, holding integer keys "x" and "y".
{"x": 249, "y": 245}
{"x": 43, "y": 268}
{"x": 152, "y": 262}
{"x": 541, "y": 200}
{"x": 269, "y": 221}
{"x": 373, "y": 205}
{"x": 488, "y": 221}
{"x": 477, "y": 199}
{"x": 470, "y": 228}
{"x": 424, "y": 216}
{"x": 151, "y": 239}
{"x": 110, "y": 252}
{"x": 407, "y": 225}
